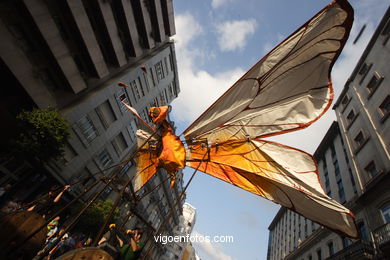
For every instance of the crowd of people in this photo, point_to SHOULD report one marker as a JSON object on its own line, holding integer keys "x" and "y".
{"x": 125, "y": 244}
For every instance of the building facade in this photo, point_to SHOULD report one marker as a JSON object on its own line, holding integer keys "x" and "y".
{"x": 183, "y": 249}
{"x": 353, "y": 163}
{"x": 70, "y": 55}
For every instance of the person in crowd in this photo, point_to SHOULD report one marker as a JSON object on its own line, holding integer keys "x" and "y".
{"x": 66, "y": 244}
{"x": 111, "y": 242}
{"x": 44, "y": 205}
{"x": 132, "y": 250}
{"x": 52, "y": 227}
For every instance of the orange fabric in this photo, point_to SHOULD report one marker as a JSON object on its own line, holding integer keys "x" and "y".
{"x": 275, "y": 172}
{"x": 171, "y": 157}
{"x": 158, "y": 114}
{"x": 173, "y": 154}
{"x": 146, "y": 162}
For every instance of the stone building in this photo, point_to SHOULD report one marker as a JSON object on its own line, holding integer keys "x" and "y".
{"x": 70, "y": 55}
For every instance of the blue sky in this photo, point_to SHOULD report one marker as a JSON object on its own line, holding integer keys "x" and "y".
{"x": 216, "y": 42}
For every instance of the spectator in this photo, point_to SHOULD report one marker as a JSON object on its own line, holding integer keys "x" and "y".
{"x": 44, "y": 205}
{"x": 50, "y": 242}
{"x": 52, "y": 227}
{"x": 132, "y": 250}
{"x": 66, "y": 244}
{"x": 110, "y": 241}
{"x": 10, "y": 207}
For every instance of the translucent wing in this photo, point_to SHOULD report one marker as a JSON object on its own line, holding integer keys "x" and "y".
{"x": 146, "y": 158}
{"x": 287, "y": 90}
{"x": 279, "y": 173}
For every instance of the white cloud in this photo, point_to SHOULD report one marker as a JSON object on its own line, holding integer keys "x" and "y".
{"x": 214, "y": 251}
{"x": 218, "y": 3}
{"x": 233, "y": 35}
{"x": 187, "y": 28}
{"x": 199, "y": 89}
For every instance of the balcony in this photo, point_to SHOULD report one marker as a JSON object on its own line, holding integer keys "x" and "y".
{"x": 382, "y": 238}
{"x": 357, "y": 251}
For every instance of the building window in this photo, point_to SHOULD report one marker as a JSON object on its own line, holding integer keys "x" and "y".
{"x": 351, "y": 117}
{"x": 166, "y": 96}
{"x": 330, "y": 248}
{"x": 87, "y": 128}
{"x": 166, "y": 65}
{"x": 159, "y": 70}
{"x": 170, "y": 91}
{"x": 132, "y": 128}
{"x": 139, "y": 83}
{"x": 345, "y": 101}
{"x": 364, "y": 71}
{"x": 374, "y": 83}
{"x": 333, "y": 151}
{"x": 371, "y": 169}
{"x": 341, "y": 191}
{"x": 135, "y": 90}
{"x": 146, "y": 79}
{"x": 386, "y": 33}
{"x": 384, "y": 108}
{"x": 123, "y": 99}
{"x": 309, "y": 257}
{"x": 319, "y": 254}
{"x": 152, "y": 76}
{"x": 346, "y": 242}
{"x": 336, "y": 169}
{"x": 362, "y": 230}
{"x": 119, "y": 143}
{"x": 106, "y": 114}
{"x": 171, "y": 61}
{"x": 360, "y": 140}
{"x": 105, "y": 158}
{"x": 385, "y": 210}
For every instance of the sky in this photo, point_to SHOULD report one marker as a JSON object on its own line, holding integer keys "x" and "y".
{"x": 217, "y": 41}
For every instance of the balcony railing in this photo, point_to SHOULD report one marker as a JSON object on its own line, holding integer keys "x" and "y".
{"x": 382, "y": 238}
{"x": 358, "y": 250}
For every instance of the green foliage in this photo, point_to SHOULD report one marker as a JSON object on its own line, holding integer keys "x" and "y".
{"x": 93, "y": 218}
{"x": 44, "y": 133}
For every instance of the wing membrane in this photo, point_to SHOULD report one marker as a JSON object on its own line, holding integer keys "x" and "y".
{"x": 146, "y": 165}
{"x": 146, "y": 158}
{"x": 279, "y": 173}
{"x": 287, "y": 90}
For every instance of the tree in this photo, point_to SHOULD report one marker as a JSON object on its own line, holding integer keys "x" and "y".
{"x": 44, "y": 133}
{"x": 93, "y": 218}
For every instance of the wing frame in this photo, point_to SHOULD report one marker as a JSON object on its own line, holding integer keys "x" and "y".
{"x": 195, "y": 129}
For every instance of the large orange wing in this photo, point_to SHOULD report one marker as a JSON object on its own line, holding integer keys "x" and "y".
{"x": 276, "y": 172}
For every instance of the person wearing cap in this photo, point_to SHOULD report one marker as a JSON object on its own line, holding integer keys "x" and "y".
{"x": 132, "y": 250}
{"x": 110, "y": 242}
